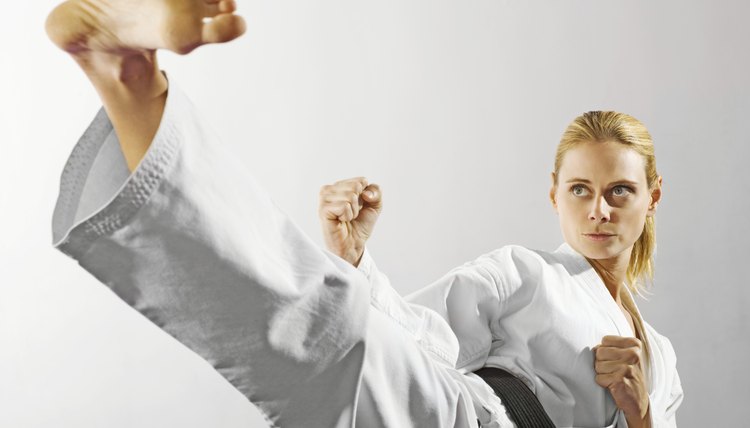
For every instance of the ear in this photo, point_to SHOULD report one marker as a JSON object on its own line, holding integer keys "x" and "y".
{"x": 655, "y": 198}
{"x": 553, "y": 192}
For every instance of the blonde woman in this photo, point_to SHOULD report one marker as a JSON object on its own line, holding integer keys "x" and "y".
{"x": 154, "y": 206}
{"x": 565, "y": 322}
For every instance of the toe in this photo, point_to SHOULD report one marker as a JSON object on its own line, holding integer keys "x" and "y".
{"x": 227, "y": 6}
{"x": 213, "y": 8}
{"x": 68, "y": 29}
{"x": 223, "y": 28}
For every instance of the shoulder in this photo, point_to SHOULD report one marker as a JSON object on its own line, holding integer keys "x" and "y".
{"x": 495, "y": 267}
{"x": 516, "y": 259}
{"x": 509, "y": 266}
{"x": 514, "y": 255}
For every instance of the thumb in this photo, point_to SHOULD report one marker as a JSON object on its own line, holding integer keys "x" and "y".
{"x": 373, "y": 197}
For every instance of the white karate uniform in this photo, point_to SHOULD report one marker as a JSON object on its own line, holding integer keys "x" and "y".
{"x": 195, "y": 245}
{"x": 538, "y": 315}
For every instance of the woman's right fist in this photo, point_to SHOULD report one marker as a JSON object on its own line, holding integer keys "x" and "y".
{"x": 348, "y": 212}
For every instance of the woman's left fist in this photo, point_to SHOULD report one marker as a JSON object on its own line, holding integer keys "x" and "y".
{"x": 617, "y": 362}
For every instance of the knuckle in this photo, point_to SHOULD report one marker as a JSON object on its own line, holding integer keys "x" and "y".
{"x": 332, "y": 209}
{"x": 636, "y": 343}
{"x": 601, "y": 380}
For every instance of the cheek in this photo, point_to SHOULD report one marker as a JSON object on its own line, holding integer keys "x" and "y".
{"x": 635, "y": 217}
{"x": 570, "y": 208}
{"x": 569, "y": 213}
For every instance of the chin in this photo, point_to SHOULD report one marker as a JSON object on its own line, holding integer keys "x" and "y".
{"x": 598, "y": 251}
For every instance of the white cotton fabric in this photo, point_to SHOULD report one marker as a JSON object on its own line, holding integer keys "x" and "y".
{"x": 195, "y": 245}
{"x": 538, "y": 315}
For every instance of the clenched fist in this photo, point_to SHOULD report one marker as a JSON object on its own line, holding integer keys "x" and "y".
{"x": 348, "y": 211}
{"x": 617, "y": 362}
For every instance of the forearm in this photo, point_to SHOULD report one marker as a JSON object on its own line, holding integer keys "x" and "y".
{"x": 133, "y": 92}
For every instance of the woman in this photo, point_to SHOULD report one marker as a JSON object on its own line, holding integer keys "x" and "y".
{"x": 564, "y": 322}
{"x": 155, "y": 207}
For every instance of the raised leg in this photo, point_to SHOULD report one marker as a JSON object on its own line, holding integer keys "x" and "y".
{"x": 196, "y": 246}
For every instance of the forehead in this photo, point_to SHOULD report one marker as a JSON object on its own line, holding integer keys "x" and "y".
{"x": 609, "y": 161}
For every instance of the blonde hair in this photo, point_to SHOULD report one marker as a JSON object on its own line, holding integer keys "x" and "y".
{"x": 605, "y": 126}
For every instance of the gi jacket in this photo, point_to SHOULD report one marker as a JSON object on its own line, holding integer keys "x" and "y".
{"x": 537, "y": 315}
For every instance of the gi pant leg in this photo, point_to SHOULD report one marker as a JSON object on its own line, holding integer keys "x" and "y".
{"x": 195, "y": 245}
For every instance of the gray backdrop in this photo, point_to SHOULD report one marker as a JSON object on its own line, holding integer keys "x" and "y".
{"x": 455, "y": 109}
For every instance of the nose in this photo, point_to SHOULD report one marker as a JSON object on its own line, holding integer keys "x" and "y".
{"x": 600, "y": 210}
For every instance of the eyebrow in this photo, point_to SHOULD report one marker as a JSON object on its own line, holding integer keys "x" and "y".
{"x": 583, "y": 180}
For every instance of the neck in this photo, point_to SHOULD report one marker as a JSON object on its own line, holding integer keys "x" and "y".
{"x": 613, "y": 272}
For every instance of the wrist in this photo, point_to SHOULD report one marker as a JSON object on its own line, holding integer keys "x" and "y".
{"x": 355, "y": 256}
{"x": 638, "y": 421}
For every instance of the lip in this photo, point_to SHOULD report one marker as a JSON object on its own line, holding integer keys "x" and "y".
{"x": 599, "y": 236}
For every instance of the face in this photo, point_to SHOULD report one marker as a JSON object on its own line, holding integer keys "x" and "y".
{"x": 603, "y": 199}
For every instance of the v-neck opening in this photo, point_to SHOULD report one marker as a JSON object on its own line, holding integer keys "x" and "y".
{"x": 595, "y": 283}
{"x": 597, "y": 287}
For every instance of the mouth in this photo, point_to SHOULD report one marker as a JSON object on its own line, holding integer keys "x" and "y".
{"x": 599, "y": 236}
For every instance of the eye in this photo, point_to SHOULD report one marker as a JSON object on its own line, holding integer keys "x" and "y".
{"x": 621, "y": 190}
{"x": 579, "y": 190}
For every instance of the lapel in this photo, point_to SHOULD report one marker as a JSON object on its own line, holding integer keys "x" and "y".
{"x": 595, "y": 287}
{"x": 647, "y": 367}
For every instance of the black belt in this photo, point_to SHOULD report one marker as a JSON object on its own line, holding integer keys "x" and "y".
{"x": 524, "y": 408}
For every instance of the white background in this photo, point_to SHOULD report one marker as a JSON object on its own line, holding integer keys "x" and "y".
{"x": 455, "y": 108}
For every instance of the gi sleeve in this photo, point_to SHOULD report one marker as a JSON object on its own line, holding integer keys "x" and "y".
{"x": 429, "y": 330}
{"x": 192, "y": 242}
{"x": 668, "y": 417}
{"x": 468, "y": 298}
{"x": 465, "y": 301}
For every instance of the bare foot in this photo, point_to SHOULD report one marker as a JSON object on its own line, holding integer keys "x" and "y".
{"x": 115, "y": 42}
{"x": 128, "y": 26}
